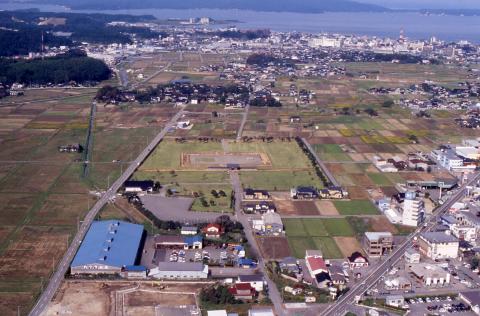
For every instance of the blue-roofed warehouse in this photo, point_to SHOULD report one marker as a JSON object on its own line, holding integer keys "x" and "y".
{"x": 108, "y": 247}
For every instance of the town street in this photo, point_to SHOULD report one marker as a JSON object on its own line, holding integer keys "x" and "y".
{"x": 340, "y": 307}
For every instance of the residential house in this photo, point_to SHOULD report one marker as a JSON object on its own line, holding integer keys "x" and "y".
{"x": 189, "y": 230}
{"x": 261, "y": 207}
{"x": 268, "y": 224}
{"x": 333, "y": 193}
{"x": 256, "y": 281}
{"x": 289, "y": 265}
{"x": 213, "y": 231}
{"x": 357, "y": 260}
{"x": 242, "y": 291}
{"x": 251, "y": 194}
{"x": 337, "y": 276}
{"x": 302, "y": 192}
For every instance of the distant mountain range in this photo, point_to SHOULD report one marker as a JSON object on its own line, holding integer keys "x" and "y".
{"x": 301, "y": 6}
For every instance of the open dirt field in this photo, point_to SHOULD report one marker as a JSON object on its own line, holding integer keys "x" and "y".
{"x": 274, "y": 247}
{"x": 109, "y": 298}
{"x": 348, "y": 245}
{"x": 45, "y": 246}
{"x": 326, "y": 208}
{"x": 306, "y": 207}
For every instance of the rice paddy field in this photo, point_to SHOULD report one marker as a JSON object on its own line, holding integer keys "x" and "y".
{"x": 43, "y": 193}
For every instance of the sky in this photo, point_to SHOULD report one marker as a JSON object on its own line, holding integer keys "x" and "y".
{"x": 426, "y": 4}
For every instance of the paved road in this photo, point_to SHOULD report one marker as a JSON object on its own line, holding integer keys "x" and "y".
{"x": 273, "y": 292}
{"x": 340, "y": 307}
{"x": 325, "y": 170}
{"x": 63, "y": 265}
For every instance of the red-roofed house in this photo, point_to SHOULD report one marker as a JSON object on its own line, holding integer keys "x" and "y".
{"x": 316, "y": 266}
{"x": 242, "y": 291}
{"x": 213, "y": 231}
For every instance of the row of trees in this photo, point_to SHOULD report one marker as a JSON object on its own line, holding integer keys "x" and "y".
{"x": 318, "y": 170}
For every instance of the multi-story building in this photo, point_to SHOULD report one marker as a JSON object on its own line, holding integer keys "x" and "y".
{"x": 438, "y": 245}
{"x": 413, "y": 210}
{"x": 377, "y": 243}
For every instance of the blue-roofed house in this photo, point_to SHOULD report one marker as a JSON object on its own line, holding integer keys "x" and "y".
{"x": 108, "y": 247}
{"x": 193, "y": 242}
{"x": 246, "y": 263}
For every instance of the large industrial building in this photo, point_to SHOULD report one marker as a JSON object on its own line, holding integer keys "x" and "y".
{"x": 108, "y": 247}
{"x": 179, "y": 271}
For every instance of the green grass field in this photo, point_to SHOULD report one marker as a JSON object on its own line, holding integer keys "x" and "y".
{"x": 294, "y": 227}
{"x": 167, "y": 155}
{"x": 279, "y": 180}
{"x": 281, "y": 154}
{"x": 167, "y": 177}
{"x": 315, "y": 227}
{"x": 307, "y": 233}
{"x": 331, "y": 152}
{"x": 338, "y": 227}
{"x": 328, "y": 246}
{"x": 356, "y": 207}
{"x": 379, "y": 179}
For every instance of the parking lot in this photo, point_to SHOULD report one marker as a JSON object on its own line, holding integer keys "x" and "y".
{"x": 210, "y": 255}
{"x": 437, "y": 306}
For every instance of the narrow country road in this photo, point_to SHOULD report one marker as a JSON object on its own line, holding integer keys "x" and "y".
{"x": 273, "y": 292}
{"x": 64, "y": 264}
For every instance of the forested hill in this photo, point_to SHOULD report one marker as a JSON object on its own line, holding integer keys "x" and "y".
{"x": 62, "y": 69}
{"x": 21, "y": 31}
{"x": 305, "y": 6}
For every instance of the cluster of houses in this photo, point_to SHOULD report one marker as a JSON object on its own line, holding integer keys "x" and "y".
{"x": 416, "y": 161}
{"x": 440, "y": 97}
{"x": 471, "y": 119}
{"x": 310, "y": 193}
{"x": 320, "y": 272}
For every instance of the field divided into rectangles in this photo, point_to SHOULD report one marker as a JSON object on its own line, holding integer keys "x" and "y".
{"x": 308, "y": 233}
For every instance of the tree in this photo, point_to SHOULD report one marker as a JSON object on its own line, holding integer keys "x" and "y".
{"x": 387, "y": 103}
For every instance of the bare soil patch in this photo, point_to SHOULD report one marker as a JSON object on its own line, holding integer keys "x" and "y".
{"x": 326, "y": 208}
{"x": 348, "y": 245}
{"x": 274, "y": 247}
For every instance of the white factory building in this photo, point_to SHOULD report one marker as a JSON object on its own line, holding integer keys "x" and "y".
{"x": 438, "y": 245}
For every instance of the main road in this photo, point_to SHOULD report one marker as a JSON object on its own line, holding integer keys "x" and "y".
{"x": 340, "y": 307}
{"x": 62, "y": 268}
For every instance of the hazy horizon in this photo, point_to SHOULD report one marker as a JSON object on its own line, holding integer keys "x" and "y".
{"x": 426, "y": 4}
